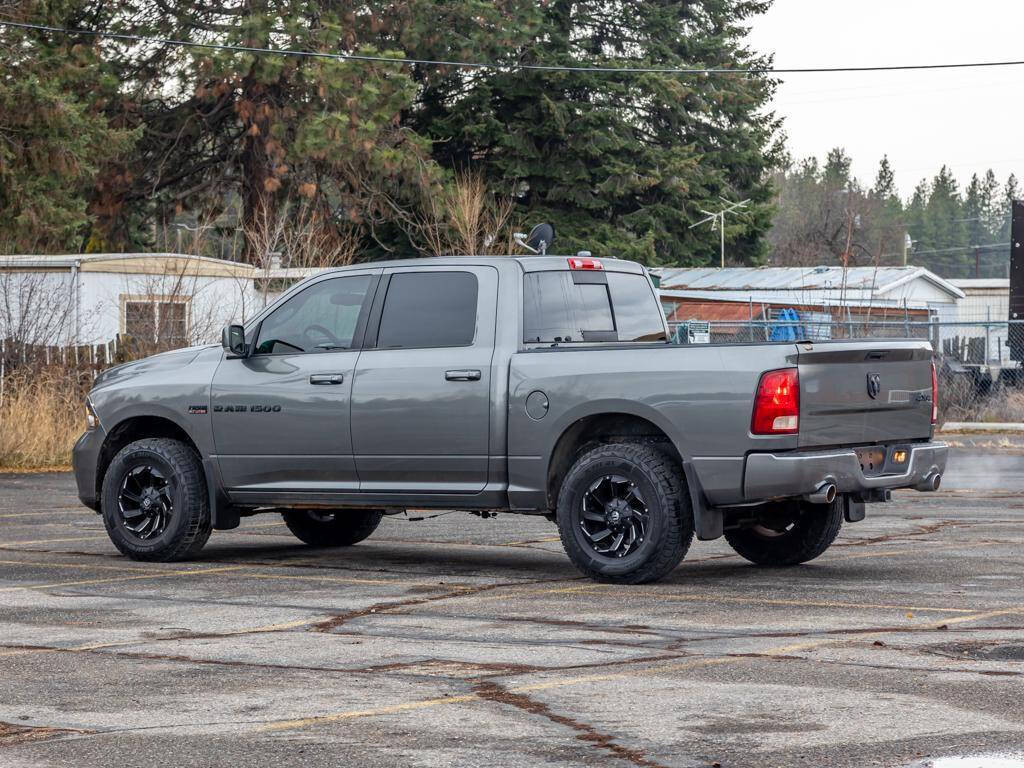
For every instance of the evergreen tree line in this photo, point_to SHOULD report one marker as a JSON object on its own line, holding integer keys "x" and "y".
{"x": 120, "y": 145}
{"x": 827, "y": 216}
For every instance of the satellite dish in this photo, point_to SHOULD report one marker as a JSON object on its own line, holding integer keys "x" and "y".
{"x": 540, "y": 238}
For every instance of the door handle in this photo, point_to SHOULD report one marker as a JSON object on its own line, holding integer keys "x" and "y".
{"x": 464, "y": 375}
{"x": 327, "y": 378}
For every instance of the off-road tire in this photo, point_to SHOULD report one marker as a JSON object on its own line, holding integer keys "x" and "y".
{"x": 812, "y": 533}
{"x": 189, "y": 525}
{"x": 663, "y": 487}
{"x": 345, "y": 528}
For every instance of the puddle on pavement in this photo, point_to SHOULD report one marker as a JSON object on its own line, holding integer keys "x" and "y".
{"x": 974, "y": 761}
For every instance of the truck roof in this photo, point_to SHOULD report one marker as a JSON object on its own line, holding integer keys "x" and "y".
{"x": 527, "y": 263}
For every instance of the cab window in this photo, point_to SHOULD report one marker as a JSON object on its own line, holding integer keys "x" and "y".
{"x": 320, "y": 318}
{"x": 429, "y": 309}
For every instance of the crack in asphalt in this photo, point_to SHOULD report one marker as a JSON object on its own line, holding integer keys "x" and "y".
{"x": 491, "y": 691}
{"x": 341, "y": 619}
{"x": 880, "y": 667}
{"x": 12, "y": 734}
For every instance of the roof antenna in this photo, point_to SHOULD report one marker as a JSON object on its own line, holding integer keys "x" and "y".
{"x": 539, "y": 239}
{"x": 717, "y": 219}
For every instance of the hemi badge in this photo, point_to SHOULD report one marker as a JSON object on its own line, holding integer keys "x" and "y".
{"x": 197, "y": 410}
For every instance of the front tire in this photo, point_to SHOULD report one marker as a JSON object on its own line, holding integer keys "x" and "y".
{"x": 798, "y": 532}
{"x": 332, "y": 529}
{"x": 154, "y": 501}
{"x": 624, "y": 514}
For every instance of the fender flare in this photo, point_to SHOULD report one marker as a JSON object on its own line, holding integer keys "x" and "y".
{"x": 222, "y": 515}
{"x": 708, "y": 521}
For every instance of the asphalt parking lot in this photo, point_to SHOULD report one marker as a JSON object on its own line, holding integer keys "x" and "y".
{"x": 466, "y": 642}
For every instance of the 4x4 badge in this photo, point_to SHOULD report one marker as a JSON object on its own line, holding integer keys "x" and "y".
{"x": 874, "y": 385}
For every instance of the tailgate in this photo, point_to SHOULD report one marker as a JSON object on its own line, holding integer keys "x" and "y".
{"x": 864, "y": 392}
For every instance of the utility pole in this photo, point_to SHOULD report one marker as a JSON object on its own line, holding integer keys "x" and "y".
{"x": 1015, "y": 334}
{"x": 718, "y": 220}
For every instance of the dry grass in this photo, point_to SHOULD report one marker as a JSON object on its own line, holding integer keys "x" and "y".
{"x": 1003, "y": 406}
{"x": 41, "y": 417}
{"x": 959, "y": 400}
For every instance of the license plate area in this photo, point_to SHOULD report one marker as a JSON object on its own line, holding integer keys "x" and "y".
{"x": 883, "y": 460}
{"x": 872, "y": 460}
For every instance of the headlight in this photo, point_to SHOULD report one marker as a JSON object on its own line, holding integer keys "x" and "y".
{"x": 90, "y": 416}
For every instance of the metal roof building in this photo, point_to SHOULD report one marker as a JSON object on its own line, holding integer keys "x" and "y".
{"x": 892, "y": 287}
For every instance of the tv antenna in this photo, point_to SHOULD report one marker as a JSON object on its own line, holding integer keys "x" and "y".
{"x": 718, "y": 219}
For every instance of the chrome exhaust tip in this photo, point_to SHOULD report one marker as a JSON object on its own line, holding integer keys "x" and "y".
{"x": 825, "y": 494}
{"x": 930, "y": 483}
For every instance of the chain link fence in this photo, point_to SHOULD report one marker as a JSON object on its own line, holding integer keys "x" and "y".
{"x": 978, "y": 380}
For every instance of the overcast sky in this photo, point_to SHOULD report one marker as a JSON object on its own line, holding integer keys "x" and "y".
{"x": 968, "y": 119}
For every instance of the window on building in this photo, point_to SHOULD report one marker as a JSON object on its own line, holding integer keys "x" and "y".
{"x": 162, "y": 322}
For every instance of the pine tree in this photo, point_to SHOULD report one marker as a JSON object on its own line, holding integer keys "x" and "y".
{"x": 1011, "y": 192}
{"x": 991, "y": 211}
{"x": 54, "y": 136}
{"x": 885, "y": 181}
{"x": 977, "y": 232}
{"x": 915, "y": 217}
{"x": 262, "y": 132}
{"x": 623, "y": 164}
{"x": 945, "y": 232}
{"x": 887, "y": 220}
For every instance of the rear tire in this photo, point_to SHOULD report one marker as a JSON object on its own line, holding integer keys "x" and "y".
{"x": 812, "y": 532}
{"x": 332, "y": 529}
{"x": 154, "y": 501}
{"x": 630, "y": 500}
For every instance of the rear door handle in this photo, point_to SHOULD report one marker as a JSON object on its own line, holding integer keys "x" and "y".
{"x": 327, "y": 378}
{"x": 462, "y": 375}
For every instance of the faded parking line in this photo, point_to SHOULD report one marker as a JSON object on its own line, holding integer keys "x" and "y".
{"x": 153, "y": 575}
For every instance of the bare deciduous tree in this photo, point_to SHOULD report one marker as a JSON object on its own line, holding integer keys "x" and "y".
{"x": 36, "y": 307}
{"x": 466, "y": 218}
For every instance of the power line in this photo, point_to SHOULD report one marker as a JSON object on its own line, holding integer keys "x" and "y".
{"x": 512, "y": 65}
{"x": 959, "y": 248}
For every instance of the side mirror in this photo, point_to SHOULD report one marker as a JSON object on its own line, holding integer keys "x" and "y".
{"x": 232, "y": 338}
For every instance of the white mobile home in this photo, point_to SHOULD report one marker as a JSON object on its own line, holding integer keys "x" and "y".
{"x": 983, "y": 313}
{"x": 175, "y": 299}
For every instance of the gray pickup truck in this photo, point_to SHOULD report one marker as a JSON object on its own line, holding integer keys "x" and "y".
{"x": 539, "y": 385}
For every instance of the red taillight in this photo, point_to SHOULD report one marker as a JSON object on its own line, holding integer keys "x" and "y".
{"x": 777, "y": 403}
{"x": 578, "y": 262}
{"x": 935, "y": 396}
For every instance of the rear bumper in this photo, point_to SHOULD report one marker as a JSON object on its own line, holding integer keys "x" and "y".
{"x": 780, "y": 475}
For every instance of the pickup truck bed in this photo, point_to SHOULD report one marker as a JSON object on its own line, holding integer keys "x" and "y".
{"x": 540, "y": 385}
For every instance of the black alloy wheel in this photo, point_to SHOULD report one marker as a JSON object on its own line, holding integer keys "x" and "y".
{"x": 613, "y": 516}
{"x": 145, "y": 501}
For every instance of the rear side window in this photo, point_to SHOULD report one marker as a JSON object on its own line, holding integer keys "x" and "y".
{"x": 429, "y": 309}
{"x": 638, "y": 315}
{"x": 607, "y": 307}
{"x": 556, "y": 309}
